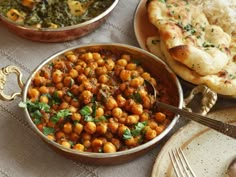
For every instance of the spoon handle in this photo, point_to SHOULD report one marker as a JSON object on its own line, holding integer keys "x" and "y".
{"x": 225, "y": 128}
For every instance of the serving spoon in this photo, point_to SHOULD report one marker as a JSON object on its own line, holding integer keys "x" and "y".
{"x": 225, "y": 128}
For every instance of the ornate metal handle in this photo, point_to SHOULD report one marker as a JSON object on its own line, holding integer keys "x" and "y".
{"x": 3, "y": 78}
{"x": 209, "y": 98}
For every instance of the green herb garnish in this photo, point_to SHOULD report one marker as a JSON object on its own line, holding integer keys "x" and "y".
{"x": 48, "y": 130}
{"x": 127, "y": 134}
{"x": 61, "y": 114}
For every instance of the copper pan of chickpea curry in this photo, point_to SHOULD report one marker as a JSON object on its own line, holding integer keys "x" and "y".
{"x": 90, "y": 102}
{"x": 54, "y": 20}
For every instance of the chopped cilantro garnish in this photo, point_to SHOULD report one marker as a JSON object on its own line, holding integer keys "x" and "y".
{"x": 48, "y": 130}
{"x": 61, "y": 114}
{"x": 138, "y": 128}
{"x": 136, "y": 97}
{"x": 86, "y": 111}
{"x": 127, "y": 134}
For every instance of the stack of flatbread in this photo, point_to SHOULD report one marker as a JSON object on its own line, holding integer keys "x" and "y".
{"x": 197, "y": 51}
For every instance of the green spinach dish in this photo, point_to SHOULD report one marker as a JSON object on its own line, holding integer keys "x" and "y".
{"x": 52, "y": 13}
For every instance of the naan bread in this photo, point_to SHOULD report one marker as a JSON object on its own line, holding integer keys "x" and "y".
{"x": 188, "y": 36}
{"x": 196, "y": 55}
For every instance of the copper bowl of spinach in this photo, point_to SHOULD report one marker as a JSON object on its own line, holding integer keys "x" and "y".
{"x": 54, "y": 20}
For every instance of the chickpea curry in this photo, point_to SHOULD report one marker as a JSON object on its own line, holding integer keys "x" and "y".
{"x": 96, "y": 101}
{"x": 52, "y": 13}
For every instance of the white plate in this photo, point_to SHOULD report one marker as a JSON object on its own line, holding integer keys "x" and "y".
{"x": 208, "y": 151}
{"x": 142, "y": 27}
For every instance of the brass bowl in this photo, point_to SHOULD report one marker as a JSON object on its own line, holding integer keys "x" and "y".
{"x": 149, "y": 62}
{"x": 60, "y": 34}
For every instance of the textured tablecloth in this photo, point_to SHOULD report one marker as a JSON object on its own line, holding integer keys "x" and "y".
{"x": 22, "y": 153}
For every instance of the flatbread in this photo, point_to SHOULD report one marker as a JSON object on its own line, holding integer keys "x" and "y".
{"x": 189, "y": 37}
{"x": 185, "y": 51}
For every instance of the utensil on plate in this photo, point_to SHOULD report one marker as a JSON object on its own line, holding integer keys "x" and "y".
{"x": 225, "y": 128}
{"x": 181, "y": 166}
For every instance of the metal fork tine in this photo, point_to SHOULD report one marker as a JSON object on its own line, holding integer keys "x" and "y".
{"x": 180, "y": 164}
{"x": 181, "y": 153}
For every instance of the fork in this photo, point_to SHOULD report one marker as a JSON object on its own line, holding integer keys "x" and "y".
{"x": 180, "y": 163}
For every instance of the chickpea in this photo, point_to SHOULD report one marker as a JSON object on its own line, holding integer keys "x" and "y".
{"x": 72, "y": 109}
{"x": 126, "y": 57}
{"x": 60, "y": 135}
{"x": 59, "y": 65}
{"x": 68, "y": 81}
{"x": 64, "y": 105}
{"x": 44, "y": 99}
{"x": 122, "y": 62}
{"x": 15, "y": 15}
{"x": 86, "y": 96}
{"x": 76, "y": 116}
{"x": 159, "y": 129}
{"x": 100, "y": 62}
{"x": 131, "y": 142}
{"x": 39, "y": 81}
{"x": 71, "y": 57}
{"x": 146, "y": 76}
{"x": 160, "y": 117}
{"x": 120, "y": 100}
{"x": 128, "y": 104}
{"x": 78, "y": 128}
{"x": 136, "y": 82}
{"x": 152, "y": 124}
{"x": 87, "y": 144}
{"x": 101, "y": 70}
{"x": 73, "y": 73}
{"x": 66, "y": 144}
{"x": 88, "y": 57}
{"x": 75, "y": 103}
{"x": 139, "y": 69}
{"x": 109, "y": 64}
{"x": 129, "y": 91}
{"x": 131, "y": 66}
{"x": 113, "y": 126}
{"x": 33, "y": 93}
{"x": 125, "y": 75}
{"x": 51, "y": 137}
{"x": 89, "y": 72}
{"x": 79, "y": 147}
{"x": 132, "y": 119}
{"x": 74, "y": 89}
{"x": 81, "y": 78}
{"x": 117, "y": 112}
{"x": 86, "y": 136}
{"x": 144, "y": 116}
{"x": 57, "y": 76}
{"x": 67, "y": 128}
{"x": 96, "y": 56}
{"x": 150, "y": 134}
{"x": 111, "y": 103}
{"x": 103, "y": 78}
{"x": 109, "y": 147}
{"x": 101, "y": 128}
{"x": 147, "y": 102}
{"x": 121, "y": 129}
{"x": 74, "y": 137}
{"x": 43, "y": 90}
{"x": 137, "y": 109}
{"x": 116, "y": 142}
{"x": 99, "y": 112}
{"x": 59, "y": 85}
{"x": 59, "y": 93}
{"x": 90, "y": 127}
{"x": 97, "y": 143}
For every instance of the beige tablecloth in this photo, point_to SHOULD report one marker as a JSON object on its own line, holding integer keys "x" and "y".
{"x": 22, "y": 153}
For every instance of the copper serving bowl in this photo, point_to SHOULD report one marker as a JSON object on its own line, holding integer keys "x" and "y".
{"x": 149, "y": 62}
{"x": 59, "y": 34}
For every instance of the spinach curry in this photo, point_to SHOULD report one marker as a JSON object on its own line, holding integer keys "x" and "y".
{"x": 52, "y": 13}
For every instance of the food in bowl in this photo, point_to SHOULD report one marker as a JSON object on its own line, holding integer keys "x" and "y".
{"x": 52, "y": 13}
{"x": 199, "y": 51}
{"x": 97, "y": 101}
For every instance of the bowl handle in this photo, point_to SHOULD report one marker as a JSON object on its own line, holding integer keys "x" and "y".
{"x": 3, "y": 79}
{"x": 209, "y": 98}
